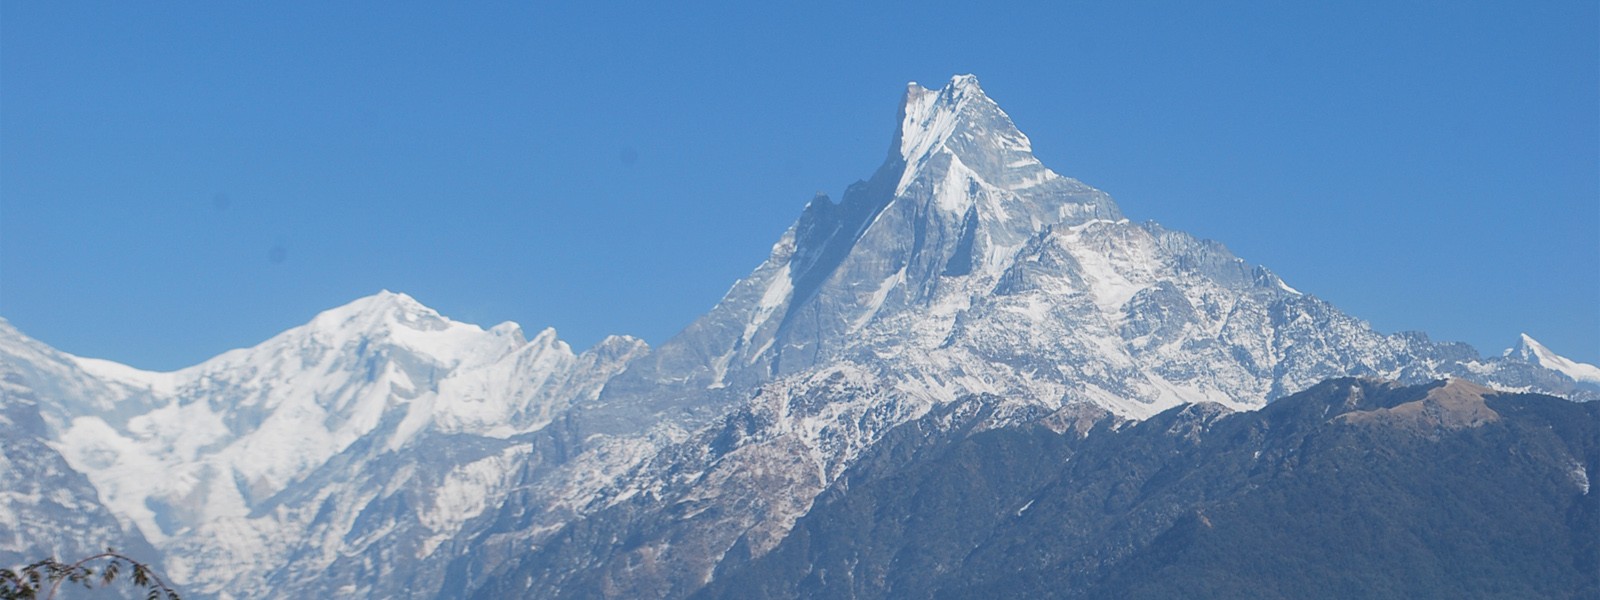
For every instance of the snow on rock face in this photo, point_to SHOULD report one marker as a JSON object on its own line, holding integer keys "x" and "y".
{"x": 961, "y": 120}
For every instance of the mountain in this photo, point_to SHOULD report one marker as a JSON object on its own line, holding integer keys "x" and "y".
{"x": 1353, "y": 488}
{"x": 261, "y": 468}
{"x": 384, "y": 450}
{"x": 965, "y": 265}
{"x": 961, "y": 269}
{"x": 1532, "y": 352}
{"x": 959, "y": 194}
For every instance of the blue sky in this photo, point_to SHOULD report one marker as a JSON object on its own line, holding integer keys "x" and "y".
{"x": 179, "y": 179}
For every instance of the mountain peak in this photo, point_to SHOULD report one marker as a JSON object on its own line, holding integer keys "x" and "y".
{"x": 962, "y": 80}
{"x": 402, "y": 320}
{"x": 960, "y": 136}
{"x": 959, "y": 117}
{"x": 395, "y": 300}
{"x": 1527, "y": 349}
{"x": 1531, "y": 351}
{"x": 960, "y": 87}
{"x": 384, "y": 306}
{"x": 959, "y": 194}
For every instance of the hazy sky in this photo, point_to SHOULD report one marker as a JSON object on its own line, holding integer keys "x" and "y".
{"x": 180, "y": 179}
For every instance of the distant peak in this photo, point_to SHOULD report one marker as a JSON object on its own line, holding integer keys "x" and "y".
{"x": 387, "y": 301}
{"x": 1527, "y": 340}
{"x": 1526, "y": 348}
{"x": 379, "y": 311}
{"x": 618, "y": 345}
{"x": 1529, "y": 350}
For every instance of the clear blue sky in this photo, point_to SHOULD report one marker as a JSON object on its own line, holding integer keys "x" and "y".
{"x": 179, "y": 179}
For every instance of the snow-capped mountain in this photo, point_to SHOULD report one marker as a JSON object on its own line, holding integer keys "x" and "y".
{"x": 964, "y": 265}
{"x": 235, "y": 465}
{"x": 383, "y": 450}
{"x": 1529, "y": 350}
{"x": 962, "y": 269}
{"x": 959, "y": 195}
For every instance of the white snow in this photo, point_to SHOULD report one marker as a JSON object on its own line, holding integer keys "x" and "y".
{"x": 1025, "y": 508}
{"x": 874, "y": 301}
{"x": 779, "y": 289}
{"x": 466, "y": 492}
{"x": 1114, "y": 277}
{"x": 927, "y": 123}
{"x": 154, "y": 382}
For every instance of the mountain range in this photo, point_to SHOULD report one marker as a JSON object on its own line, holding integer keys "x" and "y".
{"x": 964, "y": 298}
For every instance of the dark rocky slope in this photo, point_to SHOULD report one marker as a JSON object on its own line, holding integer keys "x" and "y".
{"x": 1354, "y": 488}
